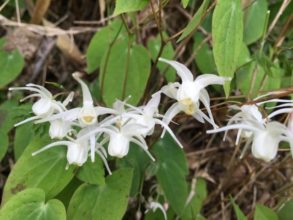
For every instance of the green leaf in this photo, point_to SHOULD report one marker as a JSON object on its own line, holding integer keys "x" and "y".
{"x": 200, "y": 190}
{"x": 227, "y": 33}
{"x": 264, "y": 213}
{"x": 4, "y": 142}
{"x": 204, "y": 55}
{"x": 255, "y": 20}
{"x": 138, "y": 160}
{"x": 100, "y": 42}
{"x": 237, "y": 210}
{"x": 245, "y": 75}
{"x": 22, "y": 138}
{"x": 11, "y": 64}
{"x": 107, "y": 201}
{"x": 172, "y": 170}
{"x": 45, "y": 170}
{"x": 92, "y": 172}
{"x": 154, "y": 45}
{"x": 285, "y": 212}
{"x": 195, "y": 21}
{"x": 185, "y": 3}
{"x": 125, "y": 74}
{"x": 30, "y": 204}
{"x": 123, "y": 6}
{"x": 9, "y": 113}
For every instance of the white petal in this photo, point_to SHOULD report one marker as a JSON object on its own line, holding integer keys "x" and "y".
{"x": 41, "y": 88}
{"x": 87, "y": 97}
{"x": 118, "y": 145}
{"x": 27, "y": 120}
{"x": 230, "y": 127}
{"x": 205, "y": 80}
{"x": 171, "y": 90}
{"x": 182, "y": 71}
{"x": 265, "y": 146}
{"x": 280, "y": 111}
{"x": 211, "y": 121}
{"x": 58, "y": 143}
{"x": 92, "y": 147}
{"x": 59, "y": 129}
{"x": 152, "y": 106}
{"x": 77, "y": 154}
{"x": 171, "y": 113}
{"x": 166, "y": 127}
{"x": 43, "y": 107}
{"x": 143, "y": 145}
{"x": 68, "y": 99}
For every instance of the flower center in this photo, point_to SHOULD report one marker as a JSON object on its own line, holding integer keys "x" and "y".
{"x": 188, "y": 106}
{"x": 88, "y": 119}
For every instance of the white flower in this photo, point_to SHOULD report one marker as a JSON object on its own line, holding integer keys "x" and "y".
{"x": 265, "y": 138}
{"x": 120, "y": 138}
{"x": 190, "y": 93}
{"x": 147, "y": 117}
{"x": 249, "y": 115}
{"x": 46, "y": 104}
{"x": 78, "y": 149}
{"x": 87, "y": 114}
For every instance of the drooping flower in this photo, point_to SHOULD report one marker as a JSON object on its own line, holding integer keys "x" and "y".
{"x": 78, "y": 149}
{"x": 265, "y": 137}
{"x": 190, "y": 93}
{"x": 249, "y": 115}
{"x": 45, "y": 106}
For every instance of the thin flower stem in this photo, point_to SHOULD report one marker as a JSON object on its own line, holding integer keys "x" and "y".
{"x": 126, "y": 67}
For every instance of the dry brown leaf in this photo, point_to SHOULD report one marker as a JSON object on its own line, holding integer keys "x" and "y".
{"x": 67, "y": 46}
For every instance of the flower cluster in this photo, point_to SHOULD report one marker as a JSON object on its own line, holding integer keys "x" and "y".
{"x": 87, "y": 129}
{"x": 261, "y": 133}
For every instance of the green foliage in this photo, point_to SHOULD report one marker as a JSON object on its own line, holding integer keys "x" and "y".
{"x": 125, "y": 72}
{"x": 98, "y": 202}
{"x": 264, "y": 213}
{"x": 123, "y": 6}
{"x": 239, "y": 214}
{"x": 3, "y": 144}
{"x": 255, "y": 21}
{"x": 227, "y": 32}
{"x": 31, "y": 204}
{"x": 11, "y": 64}
{"x": 195, "y": 21}
{"x": 204, "y": 55}
{"x": 92, "y": 172}
{"x": 22, "y": 137}
{"x": 154, "y": 45}
{"x": 199, "y": 190}
{"x": 172, "y": 171}
{"x": 285, "y": 212}
{"x": 45, "y": 170}
{"x": 100, "y": 43}
{"x": 185, "y": 3}
{"x": 138, "y": 160}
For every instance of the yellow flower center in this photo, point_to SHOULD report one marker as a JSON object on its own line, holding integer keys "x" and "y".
{"x": 188, "y": 106}
{"x": 88, "y": 119}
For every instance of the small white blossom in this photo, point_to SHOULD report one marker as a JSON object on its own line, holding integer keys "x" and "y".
{"x": 265, "y": 137}
{"x": 190, "y": 93}
{"x": 45, "y": 106}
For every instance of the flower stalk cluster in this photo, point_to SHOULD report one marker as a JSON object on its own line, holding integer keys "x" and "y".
{"x": 91, "y": 130}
